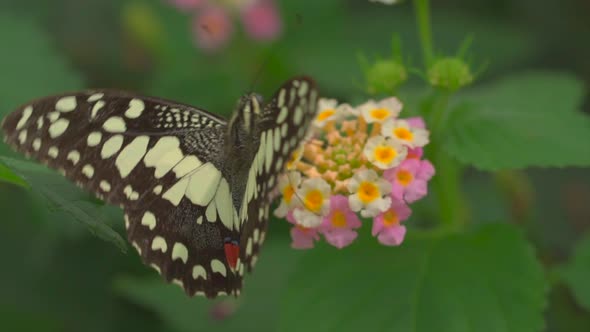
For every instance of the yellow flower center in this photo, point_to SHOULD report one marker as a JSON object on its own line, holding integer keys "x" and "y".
{"x": 384, "y": 154}
{"x": 314, "y": 200}
{"x": 368, "y": 192}
{"x": 404, "y": 177}
{"x": 380, "y": 113}
{"x": 403, "y": 134}
{"x": 390, "y": 218}
{"x": 326, "y": 114}
{"x": 338, "y": 219}
{"x": 288, "y": 194}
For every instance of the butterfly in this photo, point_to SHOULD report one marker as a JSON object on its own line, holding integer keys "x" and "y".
{"x": 195, "y": 188}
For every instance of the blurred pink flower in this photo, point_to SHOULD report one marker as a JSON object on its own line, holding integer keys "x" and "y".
{"x": 415, "y": 153}
{"x": 303, "y": 237}
{"x": 417, "y": 122}
{"x": 262, "y": 20}
{"x": 387, "y": 226}
{"x": 409, "y": 181}
{"x": 186, "y": 5}
{"x": 339, "y": 225}
{"x": 212, "y": 28}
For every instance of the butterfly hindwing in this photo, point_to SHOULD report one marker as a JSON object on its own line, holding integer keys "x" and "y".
{"x": 283, "y": 124}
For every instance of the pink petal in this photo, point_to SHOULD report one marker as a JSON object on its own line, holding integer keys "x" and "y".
{"x": 415, "y": 153}
{"x": 416, "y": 190}
{"x": 392, "y": 236}
{"x": 212, "y": 28}
{"x": 426, "y": 171}
{"x": 377, "y": 225}
{"x": 262, "y": 20}
{"x": 397, "y": 191}
{"x": 410, "y": 165}
{"x": 402, "y": 209}
{"x": 416, "y": 122}
{"x": 303, "y": 239}
{"x": 341, "y": 238}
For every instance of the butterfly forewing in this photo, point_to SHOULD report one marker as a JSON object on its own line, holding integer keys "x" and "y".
{"x": 165, "y": 163}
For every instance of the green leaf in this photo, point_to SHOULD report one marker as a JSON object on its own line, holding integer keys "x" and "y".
{"x": 8, "y": 176}
{"x": 64, "y": 196}
{"x": 486, "y": 281}
{"x": 532, "y": 119}
{"x": 256, "y": 308}
{"x": 576, "y": 273}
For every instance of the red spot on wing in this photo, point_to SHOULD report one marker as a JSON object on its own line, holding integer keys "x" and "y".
{"x": 232, "y": 252}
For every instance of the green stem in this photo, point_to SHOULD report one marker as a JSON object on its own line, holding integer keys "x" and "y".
{"x": 422, "y": 8}
{"x": 446, "y": 184}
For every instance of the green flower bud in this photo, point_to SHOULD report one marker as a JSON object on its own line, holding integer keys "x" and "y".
{"x": 385, "y": 76}
{"x": 450, "y": 74}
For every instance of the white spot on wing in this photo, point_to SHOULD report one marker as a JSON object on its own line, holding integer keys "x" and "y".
{"x": 218, "y": 266}
{"x": 53, "y": 152}
{"x": 211, "y": 213}
{"x": 36, "y": 144}
{"x": 268, "y": 155}
{"x": 149, "y": 220}
{"x": 186, "y": 165}
{"x": 22, "y": 137}
{"x": 277, "y": 137}
{"x": 111, "y": 146}
{"x": 94, "y": 138}
{"x": 58, "y": 127}
{"x": 74, "y": 157}
{"x": 25, "y": 117}
{"x": 180, "y": 251}
{"x": 66, "y": 104}
{"x": 136, "y": 107}
{"x": 199, "y": 272}
{"x": 203, "y": 184}
{"x": 99, "y": 104}
{"x": 223, "y": 201}
{"x": 105, "y": 186}
{"x": 88, "y": 170}
{"x": 298, "y": 116}
{"x": 164, "y": 155}
{"x": 95, "y": 97}
{"x": 115, "y": 124}
{"x": 176, "y": 192}
{"x": 159, "y": 243}
{"x": 282, "y": 115}
{"x": 131, "y": 155}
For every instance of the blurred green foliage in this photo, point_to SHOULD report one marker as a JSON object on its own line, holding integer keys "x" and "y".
{"x": 57, "y": 277}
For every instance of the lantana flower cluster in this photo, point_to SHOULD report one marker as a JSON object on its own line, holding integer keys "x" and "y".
{"x": 213, "y": 27}
{"x": 359, "y": 163}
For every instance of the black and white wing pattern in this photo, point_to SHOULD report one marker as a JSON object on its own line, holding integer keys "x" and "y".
{"x": 282, "y": 126}
{"x": 191, "y": 211}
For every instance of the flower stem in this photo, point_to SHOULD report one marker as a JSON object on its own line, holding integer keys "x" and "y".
{"x": 452, "y": 206}
{"x": 422, "y": 8}
{"x": 446, "y": 184}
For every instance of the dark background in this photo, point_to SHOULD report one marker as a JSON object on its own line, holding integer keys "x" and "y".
{"x": 56, "y": 276}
